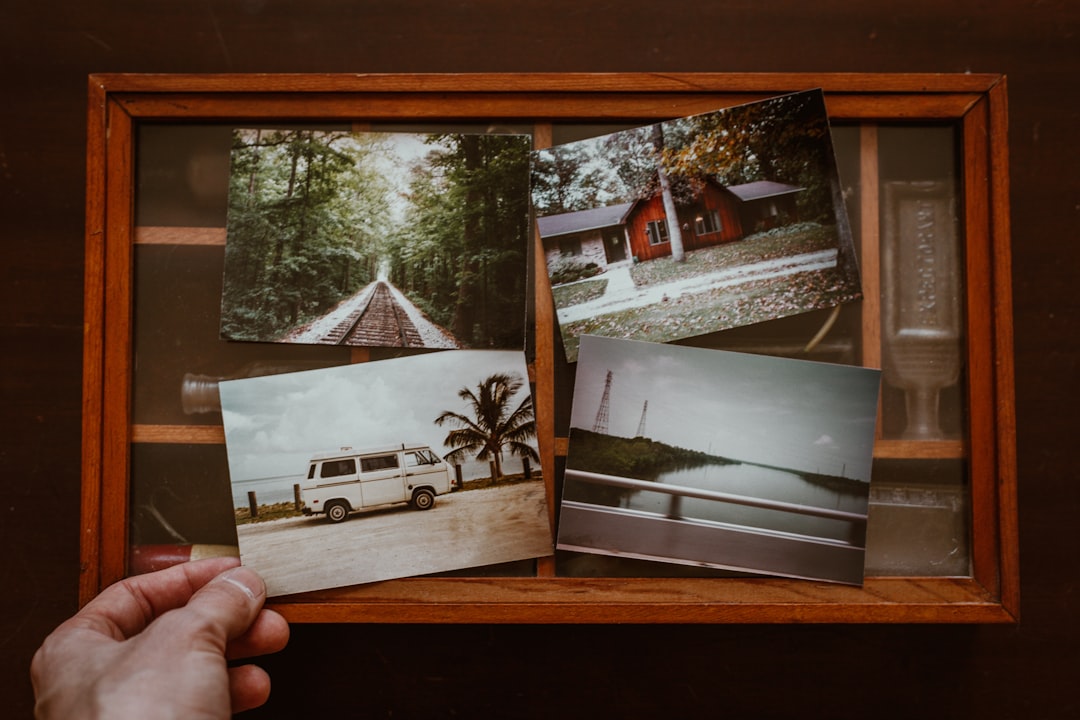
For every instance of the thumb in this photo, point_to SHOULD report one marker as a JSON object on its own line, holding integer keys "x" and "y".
{"x": 228, "y": 604}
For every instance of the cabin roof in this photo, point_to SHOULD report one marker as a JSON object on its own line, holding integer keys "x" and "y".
{"x": 581, "y": 220}
{"x": 762, "y": 189}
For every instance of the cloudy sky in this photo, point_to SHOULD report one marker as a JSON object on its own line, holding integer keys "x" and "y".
{"x": 796, "y": 414}
{"x": 274, "y": 424}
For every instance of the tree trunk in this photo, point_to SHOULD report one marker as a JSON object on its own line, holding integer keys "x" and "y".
{"x": 256, "y": 156}
{"x": 465, "y": 307}
{"x": 845, "y": 262}
{"x": 678, "y": 254}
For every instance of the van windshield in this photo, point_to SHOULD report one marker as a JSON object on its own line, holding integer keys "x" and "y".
{"x": 420, "y": 457}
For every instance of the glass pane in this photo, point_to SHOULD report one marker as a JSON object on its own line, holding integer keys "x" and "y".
{"x": 921, "y": 283}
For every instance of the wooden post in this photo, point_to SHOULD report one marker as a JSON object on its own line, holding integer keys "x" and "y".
{"x": 526, "y": 468}
{"x": 457, "y": 477}
{"x": 297, "y": 503}
{"x": 253, "y": 506}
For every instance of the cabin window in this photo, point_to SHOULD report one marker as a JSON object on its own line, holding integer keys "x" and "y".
{"x": 707, "y": 222}
{"x": 338, "y": 468}
{"x": 657, "y": 232}
{"x": 378, "y": 462}
{"x": 570, "y": 247}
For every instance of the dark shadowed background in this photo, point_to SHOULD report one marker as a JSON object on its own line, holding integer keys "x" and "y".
{"x": 48, "y": 47}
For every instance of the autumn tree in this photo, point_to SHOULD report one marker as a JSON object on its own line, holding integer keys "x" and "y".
{"x": 785, "y": 139}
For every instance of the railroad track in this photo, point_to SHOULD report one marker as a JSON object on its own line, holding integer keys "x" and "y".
{"x": 380, "y": 323}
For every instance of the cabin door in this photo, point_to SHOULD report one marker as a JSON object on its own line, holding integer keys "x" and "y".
{"x": 614, "y": 246}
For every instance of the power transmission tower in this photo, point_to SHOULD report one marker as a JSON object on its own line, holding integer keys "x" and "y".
{"x": 601, "y": 424}
{"x": 641, "y": 425}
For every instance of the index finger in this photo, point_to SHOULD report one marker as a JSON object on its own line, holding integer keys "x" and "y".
{"x": 127, "y": 607}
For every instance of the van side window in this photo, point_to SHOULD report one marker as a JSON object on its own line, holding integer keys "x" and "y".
{"x": 337, "y": 468}
{"x": 378, "y": 462}
{"x": 419, "y": 457}
{"x": 311, "y": 471}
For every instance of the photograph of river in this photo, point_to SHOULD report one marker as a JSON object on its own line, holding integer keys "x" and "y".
{"x": 720, "y": 459}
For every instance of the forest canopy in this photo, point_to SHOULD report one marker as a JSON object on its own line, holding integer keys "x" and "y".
{"x": 784, "y": 139}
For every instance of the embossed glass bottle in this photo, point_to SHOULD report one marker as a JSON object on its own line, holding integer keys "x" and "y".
{"x": 921, "y": 307}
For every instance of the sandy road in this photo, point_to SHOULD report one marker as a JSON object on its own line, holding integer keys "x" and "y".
{"x": 464, "y": 529}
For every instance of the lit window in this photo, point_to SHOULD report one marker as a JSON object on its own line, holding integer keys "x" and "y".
{"x": 707, "y": 222}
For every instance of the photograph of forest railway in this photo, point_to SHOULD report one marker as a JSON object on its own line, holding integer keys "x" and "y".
{"x": 377, "y": 239}
{"x": 695, "y": 225}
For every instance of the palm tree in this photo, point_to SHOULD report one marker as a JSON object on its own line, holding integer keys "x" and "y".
{"x": 493, "y": 426}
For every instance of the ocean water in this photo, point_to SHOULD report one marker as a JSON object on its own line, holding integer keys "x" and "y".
{"x": 279, "y": 489}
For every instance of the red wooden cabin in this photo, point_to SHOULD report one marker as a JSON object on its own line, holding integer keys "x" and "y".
{"x": 718, "y": 215}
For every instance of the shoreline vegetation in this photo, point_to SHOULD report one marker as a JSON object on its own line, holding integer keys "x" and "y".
{"x": 283, "y": 510}
{"x": 639, "y": 458}
{"x": 644, "y": 459}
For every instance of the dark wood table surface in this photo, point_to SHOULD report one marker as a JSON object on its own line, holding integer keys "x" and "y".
{"x": 49, "y": 47}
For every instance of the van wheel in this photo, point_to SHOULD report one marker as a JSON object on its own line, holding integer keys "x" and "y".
{"x": 423, "y": 499}
{"x": 337, "y": 511}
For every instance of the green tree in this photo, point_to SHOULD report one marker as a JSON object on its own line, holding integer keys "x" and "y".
{"x": 306, "y": 215}
{"x": 493, "y": 426}
{"x": 461, "y": 256}
{"x": 575, "y": 176}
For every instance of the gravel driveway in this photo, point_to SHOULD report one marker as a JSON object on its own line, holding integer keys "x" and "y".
{"x": 464, "y": 529}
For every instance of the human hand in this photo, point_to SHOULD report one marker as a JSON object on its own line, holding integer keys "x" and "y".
{"x": 157, "y": 645}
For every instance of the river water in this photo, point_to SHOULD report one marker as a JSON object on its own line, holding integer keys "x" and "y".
{"x": 757, "y": 482}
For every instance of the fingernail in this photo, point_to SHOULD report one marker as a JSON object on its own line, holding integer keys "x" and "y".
{"x": 245, "y": 579}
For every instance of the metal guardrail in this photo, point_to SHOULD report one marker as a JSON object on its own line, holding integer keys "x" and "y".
{"x": 677, "y": 492}
{"x": 586, "y": 527}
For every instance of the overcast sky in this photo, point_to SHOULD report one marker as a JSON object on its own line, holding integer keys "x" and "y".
{"x": 273, "y": 425}
{"x": 796, "y": 414}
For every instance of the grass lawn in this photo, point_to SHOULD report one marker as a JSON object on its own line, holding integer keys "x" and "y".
{"x": 276, "y": 511}
{"x": 567, "y": 295}
{"x": 770, "y": 245}
{"x": 714, "y": 310}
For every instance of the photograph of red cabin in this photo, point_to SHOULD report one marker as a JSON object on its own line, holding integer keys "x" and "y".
{"x": 695, "y": 225}
{"x": 638, "y": 230}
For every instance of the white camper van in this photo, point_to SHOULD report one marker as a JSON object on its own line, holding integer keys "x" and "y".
{"x": 339, "y": 482}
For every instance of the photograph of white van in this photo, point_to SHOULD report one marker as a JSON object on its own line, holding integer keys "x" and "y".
{"x": 337, "y": 483}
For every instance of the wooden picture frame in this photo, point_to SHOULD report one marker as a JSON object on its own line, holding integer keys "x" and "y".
{"x": 971, "y": 107}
